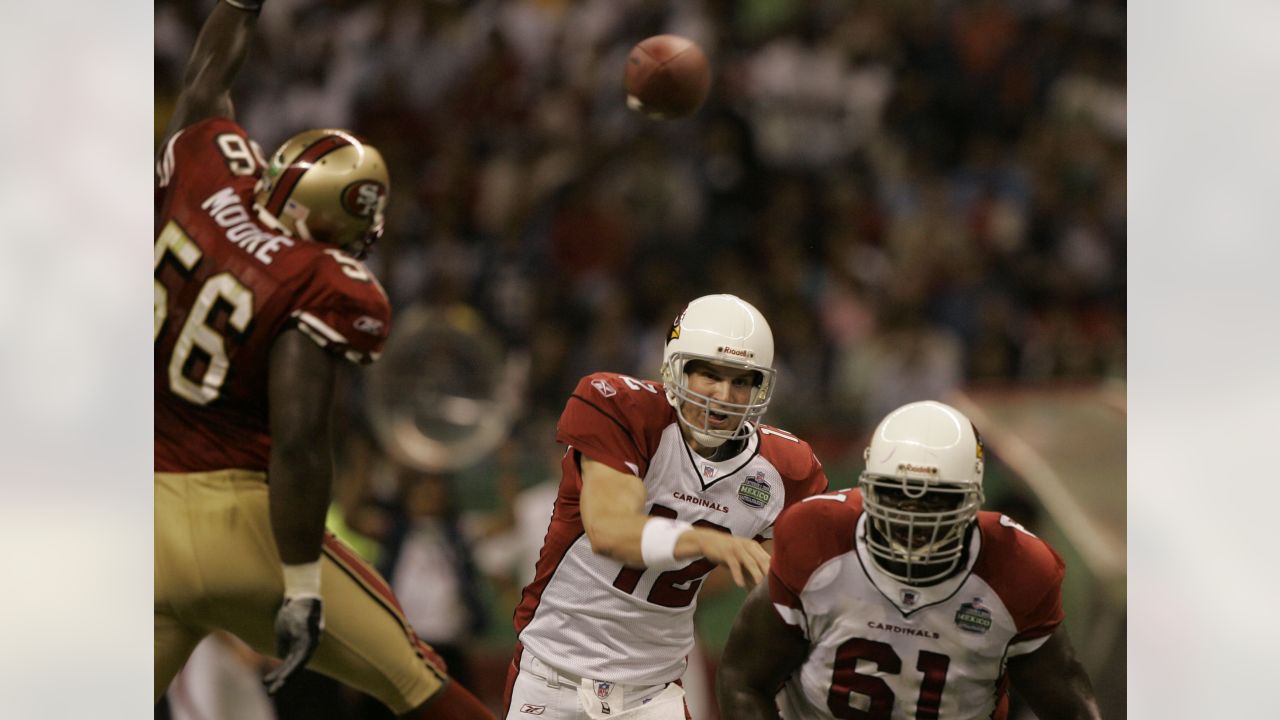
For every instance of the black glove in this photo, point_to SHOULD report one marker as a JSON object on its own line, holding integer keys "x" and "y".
{"x": 299, "y": 623}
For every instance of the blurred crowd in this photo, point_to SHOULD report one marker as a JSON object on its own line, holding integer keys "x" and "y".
{"x": 916, "y": 193}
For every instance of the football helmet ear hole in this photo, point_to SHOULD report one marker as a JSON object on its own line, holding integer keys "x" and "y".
{"x": 326, "y": 185}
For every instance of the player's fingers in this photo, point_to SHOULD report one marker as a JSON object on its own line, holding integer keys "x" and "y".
{"x": 736, "y": 571}
{"x": 297, "y": 656}
{"x": 274, "y": 680}
{"x": 756, "y": 569}
{"x": 760, "y": 554}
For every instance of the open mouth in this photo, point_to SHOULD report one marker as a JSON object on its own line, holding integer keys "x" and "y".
{"x": 717, "y": 419}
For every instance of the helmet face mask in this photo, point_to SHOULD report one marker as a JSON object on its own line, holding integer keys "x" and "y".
{"x": 740, "y": 417}
{"x": 727, "y": 332}
{"x": 921, "y": 490}
{"x": 925, "y": 545}
{"x": 328, "y": 186}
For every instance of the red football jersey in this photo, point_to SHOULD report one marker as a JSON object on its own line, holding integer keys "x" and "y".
{"x": 591, "y": 616}
{"x": 881, "y": 648}
{"x": 225, "y": 286}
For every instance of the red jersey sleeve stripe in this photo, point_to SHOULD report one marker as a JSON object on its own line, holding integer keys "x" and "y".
{"x": 164, "y": 167}
{"x": 318, "y": 329}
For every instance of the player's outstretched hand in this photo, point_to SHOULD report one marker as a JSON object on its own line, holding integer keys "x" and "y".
{"x": 299, "y": 623}
{"x": 747, "y": 561}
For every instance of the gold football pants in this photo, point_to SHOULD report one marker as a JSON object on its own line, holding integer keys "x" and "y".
{"x": 217, "y": 567}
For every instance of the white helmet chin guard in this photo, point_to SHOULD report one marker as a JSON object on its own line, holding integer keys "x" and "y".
{"x": 921, "y": 449}
{"x": 724, "y": 330}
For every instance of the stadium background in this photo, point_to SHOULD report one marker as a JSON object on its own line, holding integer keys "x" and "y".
{"x": 926, "y": 198}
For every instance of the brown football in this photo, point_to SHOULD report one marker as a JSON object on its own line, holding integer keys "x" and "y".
{"x": 667, "y": 77}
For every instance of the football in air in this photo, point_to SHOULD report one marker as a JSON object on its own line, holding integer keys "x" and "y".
{"x": 667, "y": 77}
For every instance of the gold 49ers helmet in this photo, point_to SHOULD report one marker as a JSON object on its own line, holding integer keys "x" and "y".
{"x": 326, "y": 185}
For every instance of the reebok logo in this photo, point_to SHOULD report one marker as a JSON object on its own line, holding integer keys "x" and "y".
{"x": 367, "y": 324}
{"x": 533, "y": 709}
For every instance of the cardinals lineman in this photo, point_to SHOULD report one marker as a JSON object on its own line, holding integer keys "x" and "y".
{"x": 661, "y": 482}
{"x": 901, "y": 600}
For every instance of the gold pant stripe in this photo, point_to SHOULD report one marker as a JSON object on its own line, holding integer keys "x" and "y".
{"x": 358, "y": 570}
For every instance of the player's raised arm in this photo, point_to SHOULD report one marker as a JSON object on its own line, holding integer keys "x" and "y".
{"x": 219, "y": 52}
{"x": 749, "y": 676}
{"x": 612, "y": 507}
{"x": 1054, "y": 682}
{"x": 300, "y": 477}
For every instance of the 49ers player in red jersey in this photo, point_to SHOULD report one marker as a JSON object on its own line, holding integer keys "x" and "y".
{"x": 259, "y": 295}
{"x": 661, "y": 482}
{"x": 902, "y": 601}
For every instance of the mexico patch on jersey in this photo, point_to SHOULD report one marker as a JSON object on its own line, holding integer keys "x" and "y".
{"x": 754, "y": 491}
{"x": 973, "y": 617}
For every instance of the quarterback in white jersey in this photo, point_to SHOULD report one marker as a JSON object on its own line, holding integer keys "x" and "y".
{"x": 661, "y": 482}
{"x": 901, "y": 600}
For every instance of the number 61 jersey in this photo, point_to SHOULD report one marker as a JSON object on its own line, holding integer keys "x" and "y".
{"x": 225, "y": 287}
{"x": 588, "y": 614}
{"x": 883, "y": 650}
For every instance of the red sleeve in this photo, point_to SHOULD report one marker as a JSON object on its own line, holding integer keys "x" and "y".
{"x": 205, "y": 157}
{"x": 806, "y": 536}
{"x": 813, "y": 483}
{"x": 343, "y": 308}
{"x": 616, "y": 420}
{"x": 1025, "y": 572}
{"x": 801, "y": 471}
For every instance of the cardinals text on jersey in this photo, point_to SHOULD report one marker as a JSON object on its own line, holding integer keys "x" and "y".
{"x": 589, "y": 614}
{"x": 886, "y": 650}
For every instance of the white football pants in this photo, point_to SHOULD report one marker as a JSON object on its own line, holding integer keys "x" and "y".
{"x": 542, "y": 692}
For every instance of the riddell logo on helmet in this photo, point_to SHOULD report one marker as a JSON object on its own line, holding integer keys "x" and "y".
{"x": 737, "y": 352}
{"x": 908, "y": 467}
{"x": 361, "y": 197}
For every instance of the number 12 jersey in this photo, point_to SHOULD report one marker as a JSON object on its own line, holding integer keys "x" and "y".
{"x": 590, "y": 615}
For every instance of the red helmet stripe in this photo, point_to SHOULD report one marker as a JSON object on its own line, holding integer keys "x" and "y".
{"x": 290, "y": 177}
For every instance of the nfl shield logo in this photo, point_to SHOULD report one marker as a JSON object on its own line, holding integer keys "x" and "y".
{"x": 909, "y": 597}
{"x": 603, "y": 689}
{"x": 708, "y": 472}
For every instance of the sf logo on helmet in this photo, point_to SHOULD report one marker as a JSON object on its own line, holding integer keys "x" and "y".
{"x": 361, "y": 198}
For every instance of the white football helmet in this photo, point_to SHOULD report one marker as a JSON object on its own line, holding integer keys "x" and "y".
{"x": 922, "y": 488}
{"x": 725, "y": 330}
{"x": 326, "y": 185}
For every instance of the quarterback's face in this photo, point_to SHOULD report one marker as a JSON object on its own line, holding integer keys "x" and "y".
{"x": 720, "y": 383}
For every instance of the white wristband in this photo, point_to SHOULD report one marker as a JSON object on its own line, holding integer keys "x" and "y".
{"x": 302, "y": 580}
{"x": 658, "y": 543}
